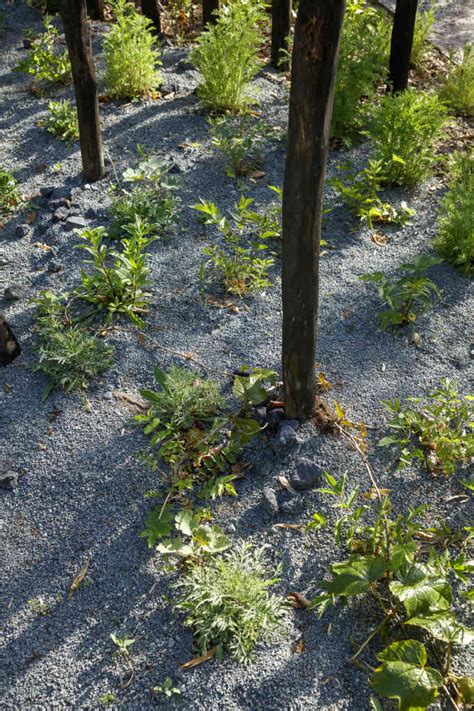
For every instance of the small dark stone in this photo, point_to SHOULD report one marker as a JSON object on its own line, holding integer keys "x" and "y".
{"x": 9, "y": 480}
{"x": 175, "y": 168}
{"x": 286, "y": 434}
{"x": 14, "y": 292}
{"x": 306, "y": 476}
{"x": 184, "y": 65}
{"x": 61, "y": 193}
{"x": 270, "y": 500}
{"x": 27, "y": 43}
{"x": 9, "y": 346}
{"x": 46, "y": 191}
{"x": 168, "y": 88}
{"x": 91, "y": 213}
{"x": 291, "y": 504}
{"x": 41, "y": 201}
{"x": 75, "y": 222}
{"x": 274, "y": 417}
{"x": 61, "y": 214}
{"x": 22, "y": 230}
{"x": 54, "y": 266}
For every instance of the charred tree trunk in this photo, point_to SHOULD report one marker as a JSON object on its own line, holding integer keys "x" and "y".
{"x": 401, "y": 44}
{"x": 316, "y": 46}
{"x": 9, "y": 346}
{"x": 209, "y": 8}
{"x": 96, "y": 9}
{"x": 151, "y": 9}
{"x": 281, "y": 24}
{"x": 76, "y": 28}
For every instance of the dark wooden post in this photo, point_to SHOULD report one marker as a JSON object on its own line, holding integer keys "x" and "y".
{"x": 151, "y": 9}
{"x": 96, "y": 9}
{"x": 314, "y": 61}
{"x": 209, "y": 7}
{"x": 281, "y": 24}
{"x": 76, "y": 28}
{"x": 401, "y": 44}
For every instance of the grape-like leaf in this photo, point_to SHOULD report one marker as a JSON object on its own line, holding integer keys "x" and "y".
{"x": 420, "y": 590}
{"x": 403, "y": 675}
{"x": 354, "y": 576}
{"x": 443, "y": 625}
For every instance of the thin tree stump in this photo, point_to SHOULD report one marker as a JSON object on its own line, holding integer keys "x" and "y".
{"x": 151, "y": 9}
{"x": 281, "y": 25}
{"x": 209, "y": 8}
{"x": 401, "y": 44}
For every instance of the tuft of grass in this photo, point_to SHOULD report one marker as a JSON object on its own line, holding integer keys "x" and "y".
{"x": 458, "y": 88}
{"x": 455, "y": 238}
{"x": 62, "y": 120}
{"x": 226, "y": 55}
{"x": 131, "y": 54}
{"x": 228, "y": 605}
{"x": 404, "y": 132}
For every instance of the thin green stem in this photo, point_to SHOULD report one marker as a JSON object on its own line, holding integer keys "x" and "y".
{"x": 371, "y": 636}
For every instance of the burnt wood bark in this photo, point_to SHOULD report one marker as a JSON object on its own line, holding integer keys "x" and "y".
{"x": 9, "y": 346}
{"x": 76, "y": 28}
{"x": 315, "y": 51}
{"x": 151, "y": 9}
{"x": 281, "y": 24}
{"x": 401, "y": 44}
{"x": 96, "y": 9}
{"x": 209, "y": 7}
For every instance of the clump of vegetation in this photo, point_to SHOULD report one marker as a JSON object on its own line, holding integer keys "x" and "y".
{"x": 10, "y": 196}
{"x": 228, "y": 605}
{"x": 362, "y": 66}
{"x": 226, "y": 55}
{"x": 68, "y": 354}
{"x": 151, "y": 200}
{"x": 241, "y": 142}
{"x": 458, "y": 88}
{"x": 360, "y": 193}
{"x": 408, "y": 296}
{"x": 404, "y": 131}
{"x": 62, "y": 120}
{"x": 438, "y": 433}
{"x": 237, "y": 263}
{"x": 411, "y": 588}
{"x": 455, "y": 239}
{"x": 167, "y": 688}
{"x": 179, "y": 15}
{"x": 45, "y": 62}
{"x": 423, "y": 26}
{"x": 131, "y": 54}
{"x": 119, "y": 278}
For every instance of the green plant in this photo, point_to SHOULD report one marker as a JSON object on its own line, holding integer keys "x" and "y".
{"x": 455, "y": 239}
{"x": 411, "y": 588}
{"x": 238, "y": 265}
{"x": 226, "y": 55}
{"x": 107, "y": 698}
{"x": 131, "y": 54}
{"x": 193, "y": 537}
{"x": 62, "y": 120}
{"x": 119, "y": 280}
{"x": 241, "y": 142}
{"x": 228, "y": 605}
{"x": 151, "y": 199}
{"x": 123, "y": 645}
{"x": 361, "y": 67}
{"x": 10, "y": 197}
{"x": 404, "y": 131}
{"x": 45, "y": 62}
{"x": 439, "y": 432}
{"x": 407, "y": 296}
{"x": 68, "y": 354}
{"x": 39, "y": 606}
{"x": 457, "y": 90}
{"x": 179, "y": 15}
{"x": 167, "y": 688}
{"x": 423, "y": 26}
{"x": 360, "y": 194}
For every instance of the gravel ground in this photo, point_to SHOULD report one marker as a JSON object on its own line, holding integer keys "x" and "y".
{"x": 81, "y": 490}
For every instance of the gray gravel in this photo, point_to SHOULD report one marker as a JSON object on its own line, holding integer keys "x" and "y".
{"x": 79, "y": 491}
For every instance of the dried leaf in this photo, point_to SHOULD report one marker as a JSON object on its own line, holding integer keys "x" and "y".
{"x": 371, "y": 494}
{"x": 256, "y": 174}
{"x": 292, "y": 526}
{"x": 78, "y": 579}
{"x": 130, "y": 400}
{"x": 42, "y": 446}
{"x": 323, "y": 384}
{"x": 274, "y": 404}
{"x": 285, "y": 483}
{"x": 296, "y": 599}
{"x": 379, "y": 238}
{"x": 299, "y": 646}
{"x": 44, "y": 247}
{"x": 195, "y": 661}
{"x": 31, "y": 217}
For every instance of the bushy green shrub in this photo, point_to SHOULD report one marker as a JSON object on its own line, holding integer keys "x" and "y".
{"x": 45, "y": 61}
{"x": 455, "y": 239}
{"x": 424, "y": 22}
{"x": 458, "y": 88}
{"x": 10, "y": 197}
{"x": 361, "y": 67}
{"x": 62, "y": 120}
{"x": 228, "y": 605}
{"x": 404, "y": 131}
{"x": 226, "y": 55}
{"x": 131, "y": 54}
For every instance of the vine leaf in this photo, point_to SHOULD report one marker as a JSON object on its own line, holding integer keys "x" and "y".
{"x": 403, "y": 675}
{"x": 354, "y": 576}
{"x": 465, "y": 687}
{"x": 443, "y": 625}
{"x": 421, "y": 591}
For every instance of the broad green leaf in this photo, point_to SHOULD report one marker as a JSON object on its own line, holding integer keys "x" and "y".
{"x": 186, "y": 521}
{"x": 159, "y": 523}
{"x": 402, "y": 553}
{"x": 443, "y": 625}
{"x": 353, "y": 577}
{"x": 465, "y": 686}
{"x": 421, "y": 591}
{"x": 388, "y": 441}
{"x": 404, "y": 676}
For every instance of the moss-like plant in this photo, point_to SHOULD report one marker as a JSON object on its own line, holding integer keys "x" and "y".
{"x": 131, "y": 54}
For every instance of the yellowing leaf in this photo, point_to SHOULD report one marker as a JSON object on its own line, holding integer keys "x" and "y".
{"x": 78, "y": 579}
